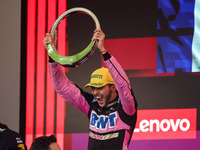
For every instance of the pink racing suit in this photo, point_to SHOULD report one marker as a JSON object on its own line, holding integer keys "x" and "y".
{"x": 110, "y": 127}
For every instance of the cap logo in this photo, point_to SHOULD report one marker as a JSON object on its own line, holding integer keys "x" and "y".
{"x": 97, "y": 76}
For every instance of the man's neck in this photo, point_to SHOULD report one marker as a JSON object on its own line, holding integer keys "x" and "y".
{"x": 113, "y": 97}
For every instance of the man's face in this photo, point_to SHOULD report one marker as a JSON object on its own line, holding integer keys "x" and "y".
{"x": 104, "y": 95}
{"x": 54, "y": 146}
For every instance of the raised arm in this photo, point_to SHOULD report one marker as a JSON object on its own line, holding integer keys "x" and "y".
{"x": 122, "y": 84}
{"x": 66, "y": 89}
{"x": 121, "y": 80}
{"x": 63, "y": 86}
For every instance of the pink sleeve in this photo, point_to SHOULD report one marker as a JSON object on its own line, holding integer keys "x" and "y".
{"x": 122, "y": 84}
{"x": 66, "y": 89}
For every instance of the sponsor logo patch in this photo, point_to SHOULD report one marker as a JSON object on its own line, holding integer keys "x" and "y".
{"x": 1, "y": 130}
{"x": 166, "y": 124}
{"x": 21, "y": 146}
{"x": 103, "y": 137}
{"x": 103, "y": 121}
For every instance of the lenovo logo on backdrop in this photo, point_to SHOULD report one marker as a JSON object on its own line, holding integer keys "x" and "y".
{"x": 166, "y": 124}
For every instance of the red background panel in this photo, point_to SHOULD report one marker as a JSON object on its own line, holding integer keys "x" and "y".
{"x": 140, "y": 52}
{"x": 50, "y": 92}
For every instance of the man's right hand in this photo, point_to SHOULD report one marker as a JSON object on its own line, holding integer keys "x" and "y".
{"x": 49, "y": 39}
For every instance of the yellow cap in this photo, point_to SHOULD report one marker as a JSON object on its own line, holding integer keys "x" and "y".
{"x": 100, "y": 78}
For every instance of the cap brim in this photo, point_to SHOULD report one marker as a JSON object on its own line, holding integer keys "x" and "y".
{"x": 87, "y": 85}
{"x": 97, "y": 85}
